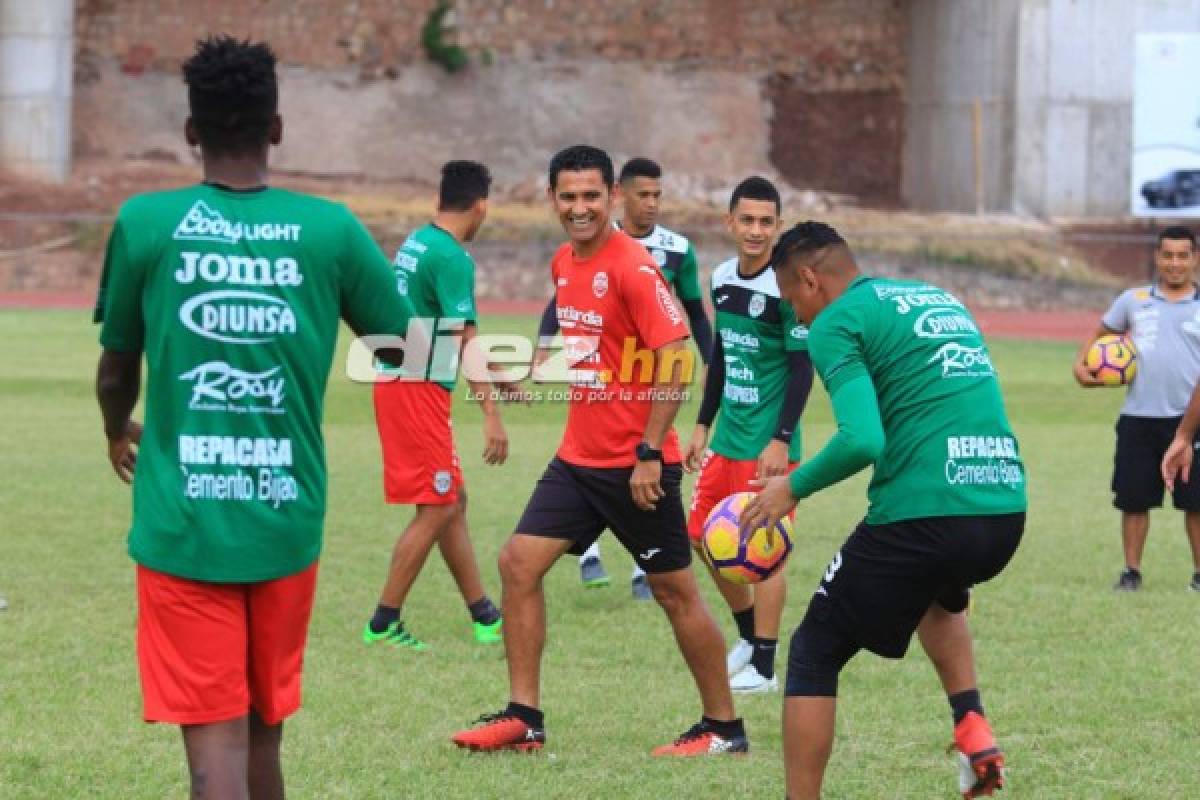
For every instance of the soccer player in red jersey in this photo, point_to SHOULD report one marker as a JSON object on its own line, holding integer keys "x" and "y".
{"x": 618, "y": 466}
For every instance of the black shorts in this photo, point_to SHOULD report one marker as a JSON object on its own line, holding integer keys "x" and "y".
{"x": 577, "y": 503}
{"x": 1137, "y": 482}
{"x": 883, "y": 580}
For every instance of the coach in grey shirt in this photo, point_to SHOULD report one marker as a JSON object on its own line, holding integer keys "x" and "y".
{"x": 1163, "y": 320}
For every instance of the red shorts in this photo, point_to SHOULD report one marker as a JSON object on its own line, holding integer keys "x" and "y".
{"x": 719, "y": 477}
{"x": 420, "y": 465}
{"x": 210, "y": 652}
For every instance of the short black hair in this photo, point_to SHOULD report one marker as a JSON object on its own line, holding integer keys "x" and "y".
{"x": 756, "y": 187}
{"x": 640, "y": 168}
{"x": 802, "y": 238}
{"x": 232, "y": 93}
{"x": 1177, "y": 232}
{"x": 463, "y": 183}
{"x": 579, "y": 157}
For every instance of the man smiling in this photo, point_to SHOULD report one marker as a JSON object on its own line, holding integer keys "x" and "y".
{"x": 618, "y": 447}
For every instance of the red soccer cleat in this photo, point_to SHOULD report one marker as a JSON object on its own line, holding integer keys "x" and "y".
{"x": 981, "y": 764}
{"x": 501, "y": 731}
{"x": 702, "y": 740}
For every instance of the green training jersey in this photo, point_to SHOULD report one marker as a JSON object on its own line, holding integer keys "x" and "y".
{"x": 757, "y": 330}
{"x": 438, "y": 276}
{"x": 234, "y": 296}
{"x": 676, "y": 260}
{"x": 948, "y": 447}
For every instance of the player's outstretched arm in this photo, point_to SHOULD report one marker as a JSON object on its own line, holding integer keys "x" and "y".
{"x": 856, "y": 444}
{"x": 1177, "y": 461}
{"x": 1084, "y": 376}
{"x": 118, "y": 382}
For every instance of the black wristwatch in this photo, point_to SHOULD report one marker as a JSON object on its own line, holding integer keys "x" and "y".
{"x": 647, "y": 453}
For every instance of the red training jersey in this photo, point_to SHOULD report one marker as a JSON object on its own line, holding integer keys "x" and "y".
{"x": 619, "y": 296}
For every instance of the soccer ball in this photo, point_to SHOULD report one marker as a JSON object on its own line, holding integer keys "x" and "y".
{"x": 1112, "y": 360}
{"x": 756, "y": 559}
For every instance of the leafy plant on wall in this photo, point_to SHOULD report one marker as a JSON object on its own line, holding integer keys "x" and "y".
{"x": 451, "y": 57}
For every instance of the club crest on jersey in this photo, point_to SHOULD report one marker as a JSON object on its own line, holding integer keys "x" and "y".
{"x": 659, "y": 256}
{"x": 441, "y": 481}
{"x": 758, "y": 304}
{"x": 600, "y": 284}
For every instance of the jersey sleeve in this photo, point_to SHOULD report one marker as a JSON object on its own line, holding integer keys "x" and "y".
{"x": 835, "y": 343}
{"x": 455, "y": 287}
{"x": 855, "y": 445}
{"x": 687, "y": 279}
{"x": 795, "y": 335}
{"x": 657, "y": 318}
{"x": 119, "y": 299}
{"x": 370, "y": 303}
{"x": 1116, "y": 319}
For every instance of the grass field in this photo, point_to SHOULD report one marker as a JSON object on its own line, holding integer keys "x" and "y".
{"x": 1092, "y": 693}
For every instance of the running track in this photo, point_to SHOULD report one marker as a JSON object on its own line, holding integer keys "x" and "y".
{"x": 1047, "y": 325}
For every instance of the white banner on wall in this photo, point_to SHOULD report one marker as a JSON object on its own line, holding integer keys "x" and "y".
{"x": 1166, "y": 126}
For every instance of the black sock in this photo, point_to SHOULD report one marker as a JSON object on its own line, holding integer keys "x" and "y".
{"x": 763, "y": 658}
{"x": 484, "y": 611}
{"x": 726, "y": 728}
{"x": 745, "y": 623}
{"x": 384, "y": 616}
{"x": 1133, "y": 570}
{"x": 531, "y": 716}
{"x": 963, "y": 702}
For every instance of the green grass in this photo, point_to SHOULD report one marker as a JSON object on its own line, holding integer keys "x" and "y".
{"x": 1093, "y": 694}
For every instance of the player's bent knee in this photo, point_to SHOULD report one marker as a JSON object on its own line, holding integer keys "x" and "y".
{"x": 437, "y": 516}
{"x": 672, "y": 591}
{"x": 816, "y": 656}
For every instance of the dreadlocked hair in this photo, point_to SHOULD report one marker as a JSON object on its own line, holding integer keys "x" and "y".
{"x": 232, "y": 94}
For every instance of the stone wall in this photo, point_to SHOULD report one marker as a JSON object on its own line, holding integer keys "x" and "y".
{"x": 695, "y": 83}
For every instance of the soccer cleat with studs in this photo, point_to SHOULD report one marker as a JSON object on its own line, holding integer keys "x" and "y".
{"x": 395, "y": 635}
{"x": 980, "y": 761}
{"x": 501, "y": 731}
{"x": 1130, "y": 580}
{"x": 592, "y": 573}
{"x": 702, "y": 740}
{"x": 749, "y": 680}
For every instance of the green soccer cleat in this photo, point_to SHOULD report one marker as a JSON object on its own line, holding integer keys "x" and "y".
{"x": 393, "y": 634}
{"x": 592, "y": 573}
{"x": 489, "y": 634}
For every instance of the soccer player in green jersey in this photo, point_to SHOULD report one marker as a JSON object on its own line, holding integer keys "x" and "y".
{"x": 915, "y": 395}
{"x": 412, "y": 413}
{"x": 758, "y": 380}
{"x": 232, "y": 290}
{"x": 640, "y": 191}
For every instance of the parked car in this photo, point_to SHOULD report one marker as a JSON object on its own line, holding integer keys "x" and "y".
{"x": 1176, "y": 189}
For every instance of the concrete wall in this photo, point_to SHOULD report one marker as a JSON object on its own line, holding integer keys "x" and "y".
{"x": 1056, "y": 78}
{"x": 1075, "y": 97}
{"x": 960, "y": 51}
{"x": 35, "y": 87}
{"x": 715, "y": 89}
